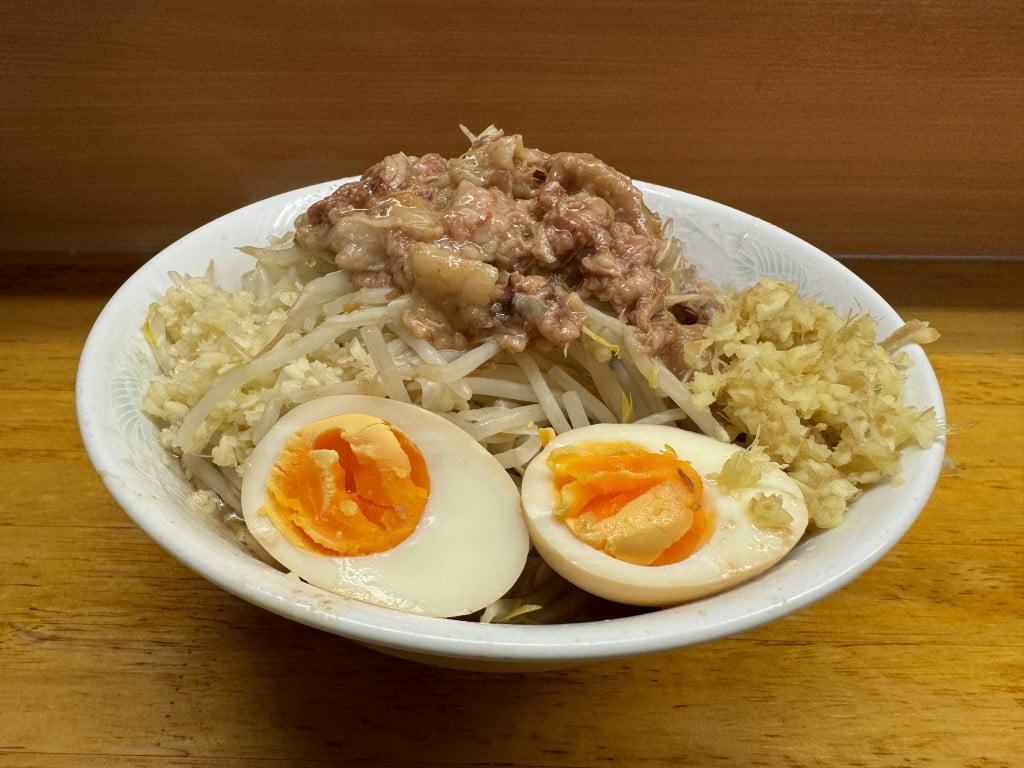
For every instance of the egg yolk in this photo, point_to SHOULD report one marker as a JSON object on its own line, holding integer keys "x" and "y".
{"x": 638, "y": 506}
{"x": 347, "y": 485}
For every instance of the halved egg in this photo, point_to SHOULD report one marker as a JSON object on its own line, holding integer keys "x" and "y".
{"x": 638, "y": 513}
{"x": 387, "y": 503}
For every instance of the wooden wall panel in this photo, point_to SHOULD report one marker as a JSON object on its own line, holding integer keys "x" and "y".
{"x": 889, "y": 127}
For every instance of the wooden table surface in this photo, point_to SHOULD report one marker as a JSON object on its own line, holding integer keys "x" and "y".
{"x": 114, "y": 654}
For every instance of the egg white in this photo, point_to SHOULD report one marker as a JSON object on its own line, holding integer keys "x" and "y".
{"x": 737, "y": 550}
{"x": 470, "y": 545}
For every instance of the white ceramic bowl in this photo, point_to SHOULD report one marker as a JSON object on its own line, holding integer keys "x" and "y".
{"x": 731, "y": 248}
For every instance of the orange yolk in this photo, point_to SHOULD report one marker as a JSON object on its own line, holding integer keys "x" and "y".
{"x": 638, "y": 506}
{"x": 347, "y": 485}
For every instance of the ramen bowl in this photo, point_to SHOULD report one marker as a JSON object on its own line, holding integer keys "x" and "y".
{"x": 730, "y": 248}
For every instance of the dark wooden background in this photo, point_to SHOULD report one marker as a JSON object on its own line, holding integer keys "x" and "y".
{"x": 889, "y": 127}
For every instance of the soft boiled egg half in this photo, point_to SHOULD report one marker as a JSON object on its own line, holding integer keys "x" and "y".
{"x": 656, "y": 516}
{"x": 387, "y": 503}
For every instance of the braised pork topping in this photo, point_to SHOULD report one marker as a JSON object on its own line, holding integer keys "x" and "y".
{"x": 507, "y": 242}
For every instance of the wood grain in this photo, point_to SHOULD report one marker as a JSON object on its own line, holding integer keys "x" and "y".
{"x": 114, "y": 654}
{"x": 882, "y": 128}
